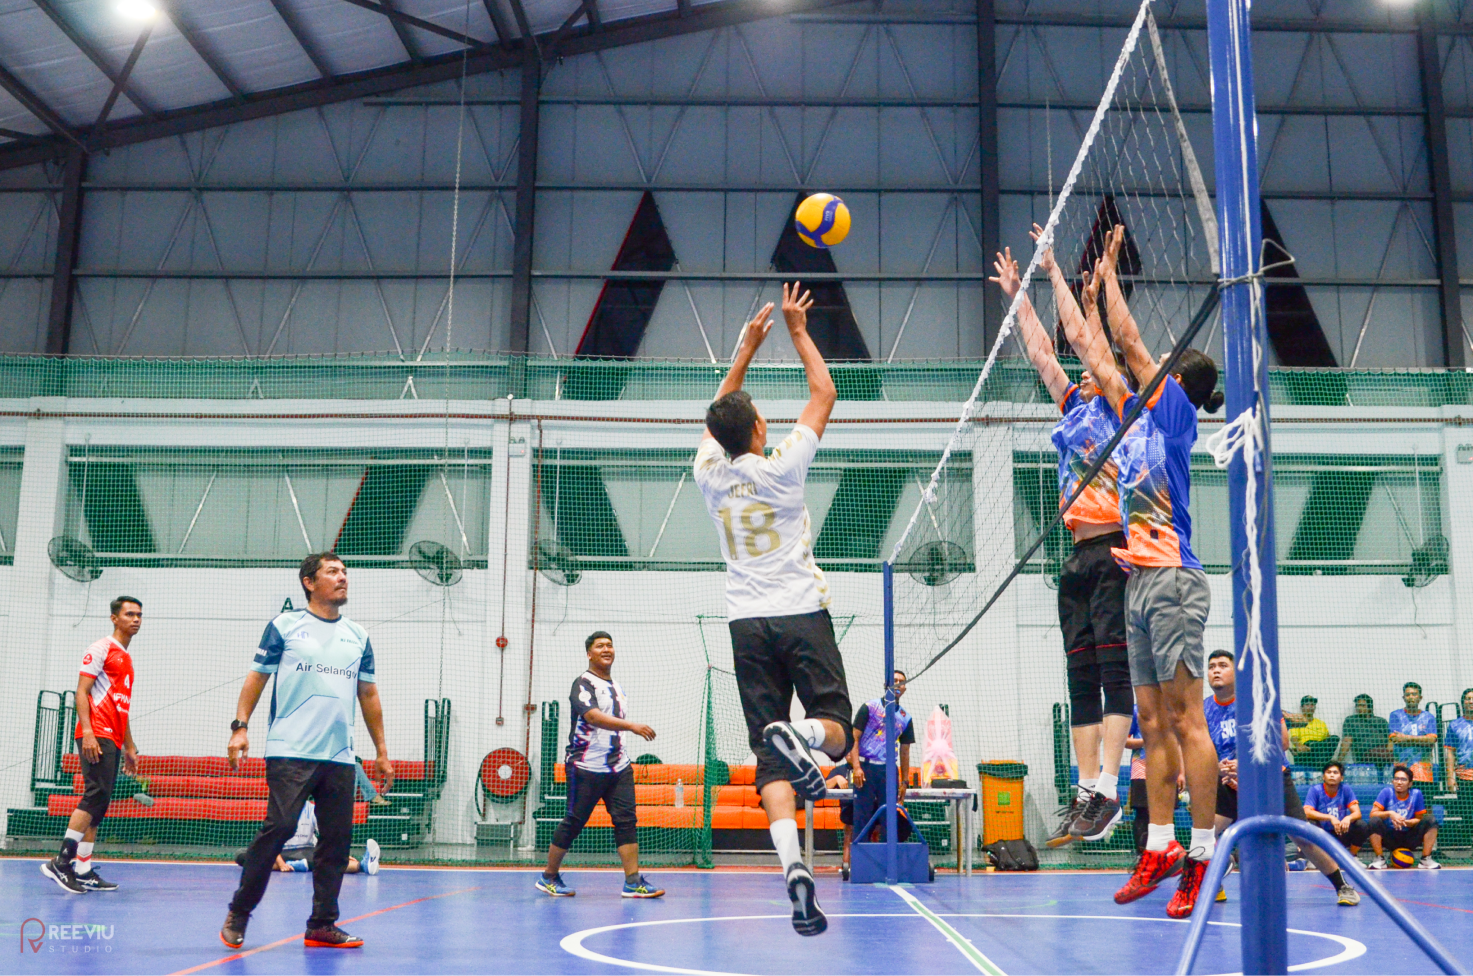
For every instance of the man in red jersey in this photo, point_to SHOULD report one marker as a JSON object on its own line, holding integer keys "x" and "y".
{"x": 104, "y": 692}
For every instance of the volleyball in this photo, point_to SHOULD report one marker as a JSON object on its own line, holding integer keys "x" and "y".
{"x": 822, "y": 220}
{"x": 1402, "y": 858}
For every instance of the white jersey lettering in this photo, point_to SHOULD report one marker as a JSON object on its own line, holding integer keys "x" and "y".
{"x": 766, "y": 536}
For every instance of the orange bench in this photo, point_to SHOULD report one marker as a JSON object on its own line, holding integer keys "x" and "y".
{"x": 734, "y": 807}
{"x": 183, "y": 808}
{"x": 254, "y": 766}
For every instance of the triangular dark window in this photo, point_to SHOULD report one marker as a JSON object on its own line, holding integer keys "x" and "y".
{"x": 1293, "y": 327}
{"x": 624, "y": 308}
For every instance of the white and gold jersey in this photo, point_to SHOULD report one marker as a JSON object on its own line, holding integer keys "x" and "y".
{"x": 766, "y": 537}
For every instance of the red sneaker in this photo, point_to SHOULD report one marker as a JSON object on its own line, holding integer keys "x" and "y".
{"x": 1187, "y": 889}
{"x": 1153, "y": 868}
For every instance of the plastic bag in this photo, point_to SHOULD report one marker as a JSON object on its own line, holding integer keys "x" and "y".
{"x": 938, "y": 758}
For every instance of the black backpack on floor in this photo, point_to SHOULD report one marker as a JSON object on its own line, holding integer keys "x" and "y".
{"x": 1012, "y": 855}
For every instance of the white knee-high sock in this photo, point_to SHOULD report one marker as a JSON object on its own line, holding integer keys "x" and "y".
{"x": 785, "y": 839}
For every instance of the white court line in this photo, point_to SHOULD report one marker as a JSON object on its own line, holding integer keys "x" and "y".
{"x": 973, "y": 954}
{"x": 573, "y": 944}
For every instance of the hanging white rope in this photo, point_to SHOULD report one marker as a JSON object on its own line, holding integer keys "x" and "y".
{"x": 1245, "y": 434}
{"x": 1046, "y": 241}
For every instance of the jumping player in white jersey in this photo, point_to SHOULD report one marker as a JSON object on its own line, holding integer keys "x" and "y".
{"x": 777, "y": 599}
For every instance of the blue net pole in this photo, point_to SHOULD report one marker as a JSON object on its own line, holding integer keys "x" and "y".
{"x": 1260, "y": 778}
{"x": 892, "y": 777}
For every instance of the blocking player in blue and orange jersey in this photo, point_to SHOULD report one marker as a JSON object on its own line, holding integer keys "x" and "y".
{"x": 1091, "y": 584}
{"x": 1167, "y": 598}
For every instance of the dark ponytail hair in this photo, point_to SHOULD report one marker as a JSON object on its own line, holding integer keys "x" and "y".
{"x": 1199, "y": 380}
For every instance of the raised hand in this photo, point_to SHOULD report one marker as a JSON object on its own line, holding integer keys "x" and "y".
{"x": 1046, "y": 259}
{"x": 1007, "y": 273}
{"x": 1113, "y": 241}
{"x": 755, "y": 331}
{"x": 795, "y": 307}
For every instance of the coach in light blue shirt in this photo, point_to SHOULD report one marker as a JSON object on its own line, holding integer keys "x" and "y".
{"x": 323, "y": 663}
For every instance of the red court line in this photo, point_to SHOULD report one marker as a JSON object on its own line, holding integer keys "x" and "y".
{"x": 297, "y": 938}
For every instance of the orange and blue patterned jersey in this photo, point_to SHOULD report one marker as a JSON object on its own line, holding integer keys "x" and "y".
{"x": 1155, "y": 481}
{"x": 1086, "y": 428}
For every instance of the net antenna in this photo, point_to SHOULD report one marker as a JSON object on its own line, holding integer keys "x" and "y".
{"x": 1135, "y": 166}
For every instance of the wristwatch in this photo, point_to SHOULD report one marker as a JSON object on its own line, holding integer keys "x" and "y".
{"x": 236, "y": 725}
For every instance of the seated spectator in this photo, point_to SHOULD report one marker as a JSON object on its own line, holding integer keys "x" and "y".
{"x": 301, "y": 850}
{"x": 1304, "y": 728}
{"x": 1333, "y": 806}
{"x": 1458, "y": 744}
{"x": 1364, "y": 736}
{"x": 1400, "y": 820}
{"x": 839, "y": 779}
{"x": 1414, "y": 733}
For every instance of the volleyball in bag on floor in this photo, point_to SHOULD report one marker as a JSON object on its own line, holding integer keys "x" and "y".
{"x": 822, "y": 220}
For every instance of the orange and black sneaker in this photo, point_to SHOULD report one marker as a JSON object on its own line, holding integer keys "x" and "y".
{"x": 1187, "y": 889}
{"x": 331, "y": 937}
{"x": 232, "y": 933}
{"x": 1153, "y": 868}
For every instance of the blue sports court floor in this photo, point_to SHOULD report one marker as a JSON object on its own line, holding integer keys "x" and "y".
{"x": 165, "y": 919}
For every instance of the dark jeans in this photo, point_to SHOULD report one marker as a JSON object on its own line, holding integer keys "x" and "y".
{"x": 291, "y": 782}
{"x": 870, "y": 797}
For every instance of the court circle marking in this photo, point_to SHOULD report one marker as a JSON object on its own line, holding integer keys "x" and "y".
{"x": 573, "y": 943}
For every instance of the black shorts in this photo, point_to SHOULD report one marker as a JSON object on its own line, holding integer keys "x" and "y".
{"x": 1092, "y": 602}
{"x": 585, "y": 789}
{"x": 98, "y": 779}
{"x": 1393, "y": 839}
{"x": 776, "y": 656}
{"x": 1227, "y": 800}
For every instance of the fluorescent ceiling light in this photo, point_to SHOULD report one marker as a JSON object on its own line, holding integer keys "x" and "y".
{"x": 136, "y": 9}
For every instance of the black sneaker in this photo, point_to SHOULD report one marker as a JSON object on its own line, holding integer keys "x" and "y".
{"x": 1067, "y": 816}
{"x": 1098, "y": 818}
{"x": 93, "y": 881}
{"x": 791, "y": 747}
{"x": 808, "y": 918}
{"x": 232, "y": 933}
{"x": 331, "y": 937}
{"x": 61, "y": 872}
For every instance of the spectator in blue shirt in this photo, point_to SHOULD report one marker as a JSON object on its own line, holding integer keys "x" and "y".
{"x": 1414, "y": 733}
{"x": 1333, "y": 806}
{"x": 1457, "y": 744}
{"x": 1400, "y": 819}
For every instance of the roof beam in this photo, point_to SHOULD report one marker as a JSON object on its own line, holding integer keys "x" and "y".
{"x": 504, "y": 32}
{"x": 33, "y": 103}
{"x": 402, "y": 20}
{"x": 93, "y": 54}
{"x": 524, "y": 24}
{"x": 133, "y": 56}
{"x": 304, "y": 40}
{"x": 406, "y": 40}
{"x": 195, "y": 39}
{"x": 383, "y": 81}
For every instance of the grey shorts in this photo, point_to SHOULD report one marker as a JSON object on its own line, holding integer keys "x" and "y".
{"x": 1165, "y": 614}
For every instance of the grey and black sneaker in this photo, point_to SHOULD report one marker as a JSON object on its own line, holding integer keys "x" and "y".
{"x": 808, "y": 918}
{"x": 331, "y": 937}
{"x": 1067, "y": 816}
{"x": 61, "y": 872}
{"x": 93, "y": 881}
{"x": 1346, "y": 895}
{"x": 791, "y": 747}
{"x": 1098, "y": 818}
{"x": 232, "y": 933}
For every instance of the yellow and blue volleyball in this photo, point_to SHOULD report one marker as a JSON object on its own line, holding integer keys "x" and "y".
{"x": 1402, "y": 858}
{"x": 822, "y": 220}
